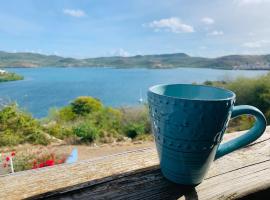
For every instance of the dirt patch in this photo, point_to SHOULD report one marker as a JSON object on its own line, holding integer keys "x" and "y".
{"x": 85, "y": 152}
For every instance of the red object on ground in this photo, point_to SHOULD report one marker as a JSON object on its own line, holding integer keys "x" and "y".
{"x": 41, "y": 165}
{"x": 7, "y": 158}
{"x": 49, "y": 162}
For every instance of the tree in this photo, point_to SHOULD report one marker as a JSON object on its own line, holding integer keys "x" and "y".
{"x": 84, "y": 105}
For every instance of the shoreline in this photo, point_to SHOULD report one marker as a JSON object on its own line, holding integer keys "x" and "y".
{"x": 10, "y": 76}
{"x": 135, "y": 67}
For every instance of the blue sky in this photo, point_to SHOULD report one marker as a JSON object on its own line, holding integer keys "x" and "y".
{"x": 92, "y": 28}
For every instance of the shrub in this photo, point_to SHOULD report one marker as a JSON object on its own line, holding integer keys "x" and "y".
{"x": 61, "y": 115}
{"x": 107, "y": 119}
{"x": 133, "y": 130}
{"x": 86, "y": 131}
{"x": 9, "y": 138}
{"x": 59, "y": 131}
{"x": 208, "y": 83}
{"x": 253, "y": 91}
{"x": 240, "y": 123}
{"x": 85, "y": 105}
{"x": 249, "y": 91}
{"x": 10, "y": 77}
{"x": 66, "y": 114}
{"x": 137, "y": 120}
{"x": 84, "y": 120}
{"x": 18, "y": 127}
{"x": 38, "y": 137}
{"x": 90, "y": 121}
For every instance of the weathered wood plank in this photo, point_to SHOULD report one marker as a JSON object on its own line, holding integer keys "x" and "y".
{"x": 150, "y": 184}
{"x": 136, "y": 174}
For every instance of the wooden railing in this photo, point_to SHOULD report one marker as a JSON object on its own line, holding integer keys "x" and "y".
{"x": 135, "y": 175}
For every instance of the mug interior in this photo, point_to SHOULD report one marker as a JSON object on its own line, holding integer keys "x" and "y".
{"x": 193, "y": 92}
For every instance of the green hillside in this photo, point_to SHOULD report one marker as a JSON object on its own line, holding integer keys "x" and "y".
{"x": 139, "y": 61}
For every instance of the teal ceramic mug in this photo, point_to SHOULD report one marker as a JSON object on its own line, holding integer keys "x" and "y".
{"x": 188, "y": 122}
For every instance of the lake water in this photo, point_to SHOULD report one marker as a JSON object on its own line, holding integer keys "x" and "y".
{"x": 44, "y": 88}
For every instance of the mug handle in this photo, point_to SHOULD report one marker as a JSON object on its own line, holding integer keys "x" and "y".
{"x": 254, "y": 133}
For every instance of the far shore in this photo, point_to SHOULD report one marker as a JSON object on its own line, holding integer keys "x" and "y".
{"x": 135, "y": 67}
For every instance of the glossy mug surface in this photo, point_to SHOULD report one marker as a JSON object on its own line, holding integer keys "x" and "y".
{"x": 188, "y": 122}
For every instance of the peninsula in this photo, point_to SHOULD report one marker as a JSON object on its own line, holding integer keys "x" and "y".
{"x": 8, "y": 76}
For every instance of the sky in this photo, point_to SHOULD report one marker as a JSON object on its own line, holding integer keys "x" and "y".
{"x": 94, "y": 28}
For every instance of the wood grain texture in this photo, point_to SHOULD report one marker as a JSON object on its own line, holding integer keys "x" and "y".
{"x": 136, "y": 175}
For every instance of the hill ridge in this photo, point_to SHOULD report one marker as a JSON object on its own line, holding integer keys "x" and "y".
{"x": 157, "y": 61}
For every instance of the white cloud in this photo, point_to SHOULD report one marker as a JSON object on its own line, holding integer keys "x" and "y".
{"x": 248, "y": 2}
{"x": 256, "y": 44}
{"x": 172, "y": 24}
{"x": 216, "y": 33}
{"x": 74, "y": 12}
{"x": 208, "y": 20}
{"x": 120, "y": 52}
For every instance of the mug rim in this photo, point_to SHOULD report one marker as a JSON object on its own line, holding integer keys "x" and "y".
{"x": 233, "y": 95}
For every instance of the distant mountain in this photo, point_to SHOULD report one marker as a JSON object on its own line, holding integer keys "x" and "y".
{"x": 140, "y": 61}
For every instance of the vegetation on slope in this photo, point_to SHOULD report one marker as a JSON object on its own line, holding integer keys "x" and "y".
{"x": 17, "y": 127}
{"x": 142, "y": 61}
{"x": 4, "y": 77}
{"x": 249, "y": 91}
{"x": 84, "y": 120}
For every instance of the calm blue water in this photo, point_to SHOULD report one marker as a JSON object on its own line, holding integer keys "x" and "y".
{"x": 44, "y": 88}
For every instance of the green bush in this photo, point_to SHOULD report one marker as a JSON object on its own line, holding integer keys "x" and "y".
{"x": 18, "y": 127}
{"x": 85, "y": 105}
{"x": 249, "y": 91}
{"x": 9, "y": 138}
{"x": 137, "y": 120}
{"x": 107, "y": 119}
{"x": 10, "y": 77}
{"x": 66, "y": 114}
{"x": 253, "y": 91}
{"x": 84, "y": 120}
{"x": 243, "y": 122}
{"x": 208, "y": 83}
{"x": 37, "y": 137}
{"x": 134, "y": 130}
{"x": 87, "y": 132}
{"x": 59, "y": 131}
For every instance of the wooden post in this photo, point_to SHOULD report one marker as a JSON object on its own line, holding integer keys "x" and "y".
{"x": 11, "y": 165}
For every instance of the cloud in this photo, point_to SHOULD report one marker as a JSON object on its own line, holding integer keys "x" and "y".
{"x": 216, "y": 33}
{"x": 74, "y": 12}
{"x": 208, "y": 20}
{"x": 120, "y": 52}
{"x": 256, "y": 44}
{"x": 172, "y": 24}
{"x": 248, "y": 2}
